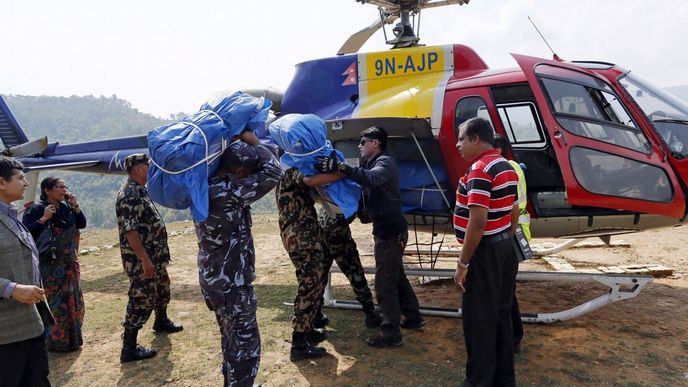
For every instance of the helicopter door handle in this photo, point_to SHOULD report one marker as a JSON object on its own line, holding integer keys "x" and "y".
{"x": 559, "y": 136}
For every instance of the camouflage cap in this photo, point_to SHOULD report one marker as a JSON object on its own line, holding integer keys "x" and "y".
{"x": 135, "y": 159}
{"x": 240, "y": 154}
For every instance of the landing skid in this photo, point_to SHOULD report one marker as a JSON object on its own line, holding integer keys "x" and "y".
{"x": 541, "y": 252}
{"x": 621, "y": 287}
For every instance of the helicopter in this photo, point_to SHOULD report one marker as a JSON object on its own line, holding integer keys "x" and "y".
{"x": 604, "y": 150}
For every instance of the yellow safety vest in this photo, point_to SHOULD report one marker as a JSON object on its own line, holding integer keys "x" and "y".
{"x": 523, "y": 215}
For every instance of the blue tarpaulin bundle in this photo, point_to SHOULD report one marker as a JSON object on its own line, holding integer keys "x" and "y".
{"x": 303, "y": 137}
{"x": 184, "y": 154}
{"x": 419, "y": 191}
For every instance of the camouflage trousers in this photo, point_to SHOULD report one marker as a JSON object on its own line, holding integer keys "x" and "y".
{"x": 308, "y": 265}
{"x": 146, "y": 295}
{"x": 341, "y": 248}
{"x": 236, "y": 317}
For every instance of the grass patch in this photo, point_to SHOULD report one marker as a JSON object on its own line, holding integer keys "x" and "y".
{"x": 632, "y": 384}
{"x": 545, "y": 380}
{"x": 652, "y": 359}
{"x": 640, "y": 332}
{"x": 579, "y": 357}
{"x": 580, "y": 374}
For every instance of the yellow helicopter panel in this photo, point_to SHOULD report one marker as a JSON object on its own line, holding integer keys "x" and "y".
{"x": 404, "y": 83}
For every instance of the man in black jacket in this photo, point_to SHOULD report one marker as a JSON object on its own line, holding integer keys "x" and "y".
{"x": 380, "y": 176}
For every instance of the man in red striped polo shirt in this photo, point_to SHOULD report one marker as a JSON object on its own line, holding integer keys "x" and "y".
{"x": 485, "y": 214}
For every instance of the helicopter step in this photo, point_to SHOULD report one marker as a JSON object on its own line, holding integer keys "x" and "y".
{"x": 621, "y": 287}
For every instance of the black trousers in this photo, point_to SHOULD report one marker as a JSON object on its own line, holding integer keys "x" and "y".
{"x": 487, "y": 321}
{"x": 24, "y": 363}
{"x": 516, "y": 323}
{"x": 393, "y": 290}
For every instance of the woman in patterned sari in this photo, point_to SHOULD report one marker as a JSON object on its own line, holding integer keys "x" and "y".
{"x": 54, "y": 223}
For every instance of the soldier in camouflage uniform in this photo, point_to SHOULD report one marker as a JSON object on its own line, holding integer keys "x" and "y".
{"x": 341, "y": 247}
{"x": 226, "y": 256}
{"x": 145, "y": 254}
{"x": 301, "y": 237}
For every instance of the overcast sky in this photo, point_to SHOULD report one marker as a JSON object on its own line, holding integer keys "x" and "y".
{"x": 167, "y": 56}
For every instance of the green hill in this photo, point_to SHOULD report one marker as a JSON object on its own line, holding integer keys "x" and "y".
{"x": 72, "y": 119}
{"x": 77, "y": 119}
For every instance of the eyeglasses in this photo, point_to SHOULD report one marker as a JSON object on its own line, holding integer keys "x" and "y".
{"x": 61, "y": 187}
{"x": 364, "y": 140}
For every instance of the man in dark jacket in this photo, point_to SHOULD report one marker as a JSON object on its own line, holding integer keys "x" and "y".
{"x": 380, "y": 177}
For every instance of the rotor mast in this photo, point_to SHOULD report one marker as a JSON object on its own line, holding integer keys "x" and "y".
{"x": 406, "y": 30}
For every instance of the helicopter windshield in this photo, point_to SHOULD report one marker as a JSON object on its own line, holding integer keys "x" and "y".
{"x": 668, "y": 114}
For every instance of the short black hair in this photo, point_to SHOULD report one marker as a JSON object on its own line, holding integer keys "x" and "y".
{"x": 376, "y": 133}
{"x": 479, "y": 127}
{"x": 48, "y": 183}
{"x": 7, "y": 167}
{"x": 503, "y": 144}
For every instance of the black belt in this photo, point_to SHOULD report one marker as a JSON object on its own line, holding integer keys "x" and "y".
{"x": 504, "y": 235}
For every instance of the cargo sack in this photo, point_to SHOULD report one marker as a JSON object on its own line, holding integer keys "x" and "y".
{"x": 303, "y": 137}
{"x": 185, "y": 154}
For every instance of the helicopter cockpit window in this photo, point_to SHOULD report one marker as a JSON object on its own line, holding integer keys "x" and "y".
{"x": 589, "y": 108}
{"x": 668, "y": 114}
{"x": 521, "y": 123}
{"x": 470, "y": 107}
{"x": 614, "y": 175}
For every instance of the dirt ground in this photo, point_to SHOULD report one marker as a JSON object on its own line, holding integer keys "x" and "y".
{"x": 637, "y": 342}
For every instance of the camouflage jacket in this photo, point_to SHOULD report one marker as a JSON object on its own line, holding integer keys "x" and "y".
{"x": 226, "y": 256}
{"x": 135, "y": 211}
{"x": 298, "y": 219}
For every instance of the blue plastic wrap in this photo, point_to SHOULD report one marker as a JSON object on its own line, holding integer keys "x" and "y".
{"x": 419, "y": 192}
{"x": 426, "y": 199}
{"x": 302, "y": 137}
{"x": 240, "y": 110}
{"x": 416, "y": 174}
{"x": 184, "y": 154}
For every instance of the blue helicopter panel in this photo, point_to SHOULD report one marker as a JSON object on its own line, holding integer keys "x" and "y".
{"x": 327, "y": 88}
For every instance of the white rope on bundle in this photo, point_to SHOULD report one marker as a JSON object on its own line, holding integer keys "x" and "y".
{"x": 209, "y": 158}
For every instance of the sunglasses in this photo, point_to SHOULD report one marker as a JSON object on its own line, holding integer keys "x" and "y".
{"x": 364, "y": 140}
{"x": 61, "y": 186}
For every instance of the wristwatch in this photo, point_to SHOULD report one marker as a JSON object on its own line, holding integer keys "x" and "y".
{"x": 342, "y": 166}
{"x": 462, "y": 265}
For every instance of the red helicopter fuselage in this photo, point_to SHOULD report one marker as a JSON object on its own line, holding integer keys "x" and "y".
{"x": 597, "y": 161}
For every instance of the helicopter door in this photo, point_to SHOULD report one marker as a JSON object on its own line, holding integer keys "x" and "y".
{"x": 606, "y": 160}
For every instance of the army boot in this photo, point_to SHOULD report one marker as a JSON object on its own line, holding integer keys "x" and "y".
{"x": 302, "y": 349}
{"x": 316, "y": 335}
{"x": 320, "y": 319}
{"x": 164, "y": 324}
{"x": 131, "y": 350}
{"x": 372, "y": 316}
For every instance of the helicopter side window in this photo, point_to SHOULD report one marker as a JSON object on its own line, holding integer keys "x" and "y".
{"x": 470, "y": 107}
{"x": 609, "y": 174}
{"x": 521, "y": 123}
{"x": 591, "y": 109}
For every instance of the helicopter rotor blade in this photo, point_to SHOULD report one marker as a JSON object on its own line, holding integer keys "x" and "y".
{"x": 358, "y": 39}
{"x": 440, "y": 3}
{"x": 28, "y": 148}
{"x": 392, "y": 6}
